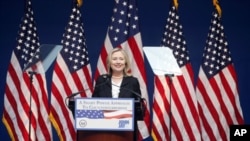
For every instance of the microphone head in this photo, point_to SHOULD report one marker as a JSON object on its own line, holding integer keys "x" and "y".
{"x": 105, "y": 76}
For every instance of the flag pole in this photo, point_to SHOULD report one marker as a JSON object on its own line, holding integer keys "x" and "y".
{"x": 79, "y": 4}
{"x": 170, "y": 103}
{"x": 175, "y": 4}
{"x": 31, "y": 73}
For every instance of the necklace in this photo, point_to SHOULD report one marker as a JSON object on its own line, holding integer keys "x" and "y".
{"x": 117, "y": 76}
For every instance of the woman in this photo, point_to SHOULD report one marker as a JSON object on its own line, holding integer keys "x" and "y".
{"x": 118, "y": 83}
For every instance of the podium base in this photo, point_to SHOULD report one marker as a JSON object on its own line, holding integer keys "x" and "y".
{"x": 105, "y": 135}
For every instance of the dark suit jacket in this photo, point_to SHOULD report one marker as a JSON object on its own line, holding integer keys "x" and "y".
{"x": 130, "y": 87}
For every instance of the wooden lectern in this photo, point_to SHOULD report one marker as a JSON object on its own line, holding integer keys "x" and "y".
{"x": 109, "y": 135}
{"x": 105, "y": 136}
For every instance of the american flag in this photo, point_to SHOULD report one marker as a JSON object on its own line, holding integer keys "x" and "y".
{"x": 22, "y": 95}
{"x": 216, "y": 88}
{"x": 175, "y": 110}
{"x": 103, "y": 114}
{"x": 124, "y": 32}
{"x": 72, "y": 73}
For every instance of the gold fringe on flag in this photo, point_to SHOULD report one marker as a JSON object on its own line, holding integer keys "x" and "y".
{"x": 217, "y": 6}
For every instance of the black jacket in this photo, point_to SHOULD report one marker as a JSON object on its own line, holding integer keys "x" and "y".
{"x": 130, "y": 87}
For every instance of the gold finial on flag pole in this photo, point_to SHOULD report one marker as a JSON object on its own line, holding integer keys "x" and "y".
{"x": 79, "y": 3}
{"x": 175, "y": 3}
{"x": 217, "y": 6}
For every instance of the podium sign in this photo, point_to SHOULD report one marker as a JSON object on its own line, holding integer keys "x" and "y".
{"x": 104, "y": 114}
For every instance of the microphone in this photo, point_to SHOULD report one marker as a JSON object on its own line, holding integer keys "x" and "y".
{"x": 105, "y": 76}
{"x": 169, "y": 75}
{"x": 133, "y": 92}
{"x": 32, "y": 72}
{"x": 76, "y": 93}
{"x": 139, "y": 105}
{"x": 71, "y": 102}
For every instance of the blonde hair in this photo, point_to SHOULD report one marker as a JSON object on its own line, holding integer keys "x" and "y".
{"x": 126, "y": 71}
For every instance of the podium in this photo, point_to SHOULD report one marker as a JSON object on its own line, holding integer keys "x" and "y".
{"x": 107, "y": 130}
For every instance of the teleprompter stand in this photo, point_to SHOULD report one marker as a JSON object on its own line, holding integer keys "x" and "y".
{"x": 163, "y": 63}
{"x": 39, "y": 64}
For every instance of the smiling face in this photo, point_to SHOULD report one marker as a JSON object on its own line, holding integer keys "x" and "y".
{"x": 117, "y": 62}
